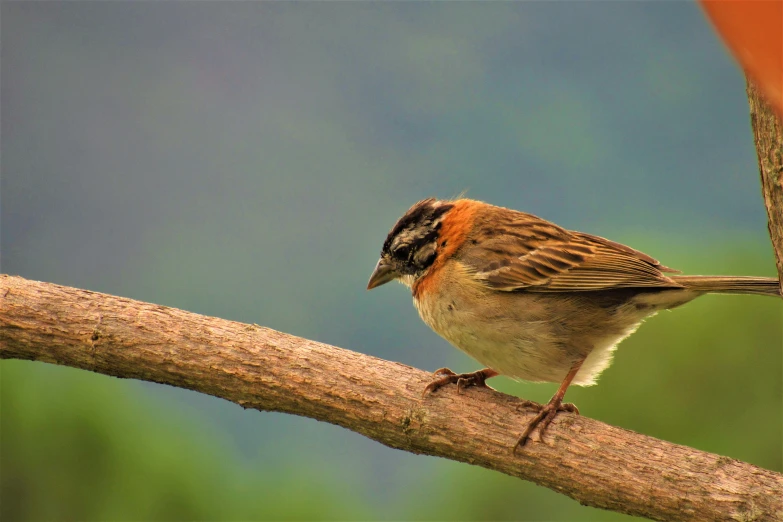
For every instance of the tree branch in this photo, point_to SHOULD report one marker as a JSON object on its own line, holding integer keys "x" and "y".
{"x": 768, "y": 136}
{"x": 255, "y": 367}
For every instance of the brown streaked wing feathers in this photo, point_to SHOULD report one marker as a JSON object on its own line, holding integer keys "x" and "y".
{"x": 529, "y": 253}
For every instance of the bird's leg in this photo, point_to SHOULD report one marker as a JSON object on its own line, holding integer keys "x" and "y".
{"x": 445, "y": 376}
{"x": 549, "y": 411}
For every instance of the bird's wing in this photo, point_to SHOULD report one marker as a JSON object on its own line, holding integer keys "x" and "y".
{"x": 529, "y": 253}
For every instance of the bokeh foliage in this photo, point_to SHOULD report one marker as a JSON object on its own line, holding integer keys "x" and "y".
{"x": 245, "y": 159}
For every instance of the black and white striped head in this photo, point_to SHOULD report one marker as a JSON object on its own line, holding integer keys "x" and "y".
{"x": 411, "y": 245}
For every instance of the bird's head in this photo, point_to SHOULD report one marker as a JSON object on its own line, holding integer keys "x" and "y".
{"x": 412, "y": 244}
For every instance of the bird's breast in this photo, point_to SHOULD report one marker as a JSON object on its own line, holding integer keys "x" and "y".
{"x": 525, "y": 335}
{"x": 507, "y": 332}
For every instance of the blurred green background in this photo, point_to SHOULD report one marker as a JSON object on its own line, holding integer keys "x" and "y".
{"x": 245, "y": 160}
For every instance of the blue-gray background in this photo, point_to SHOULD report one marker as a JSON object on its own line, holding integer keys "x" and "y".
{"x": 245, "y": 160}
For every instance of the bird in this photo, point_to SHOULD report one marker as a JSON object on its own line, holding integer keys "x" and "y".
{"x": 529, "y": 299}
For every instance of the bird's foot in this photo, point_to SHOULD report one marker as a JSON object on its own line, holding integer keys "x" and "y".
{"x": 546, "y": 414}
{"x": 445, "y": 376}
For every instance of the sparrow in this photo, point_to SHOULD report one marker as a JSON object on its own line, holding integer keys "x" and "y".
{"x": 528, "y": 299}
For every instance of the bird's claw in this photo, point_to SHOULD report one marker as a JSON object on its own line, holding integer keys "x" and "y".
{"x": 445, "y": 376}
{"x": 546, "y": 414}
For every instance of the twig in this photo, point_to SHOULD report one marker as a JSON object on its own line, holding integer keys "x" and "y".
{"x": 596, "y": 464}
{"x": 768, "y": 137}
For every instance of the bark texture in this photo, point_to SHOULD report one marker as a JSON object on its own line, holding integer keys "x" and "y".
{"x": 255, "y": 367}
{"x": 768, "y": 137}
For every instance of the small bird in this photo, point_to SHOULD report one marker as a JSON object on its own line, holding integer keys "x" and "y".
{"x": 529, "y": 299}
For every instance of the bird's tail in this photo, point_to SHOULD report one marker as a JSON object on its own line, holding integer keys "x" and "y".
{"x": 731, "y": 284}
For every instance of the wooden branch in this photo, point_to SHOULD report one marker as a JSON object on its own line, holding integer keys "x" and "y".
{"x": 768, "y": 136}
{"x": 255, "y": 367}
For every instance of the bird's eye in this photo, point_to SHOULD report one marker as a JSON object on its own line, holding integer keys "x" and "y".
{"x": 402, "y": 251}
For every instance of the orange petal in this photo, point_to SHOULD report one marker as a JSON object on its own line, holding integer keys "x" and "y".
{"x": 753, "y": 30}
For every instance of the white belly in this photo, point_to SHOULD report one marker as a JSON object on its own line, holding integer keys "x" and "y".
{"x": 533, "y": 337}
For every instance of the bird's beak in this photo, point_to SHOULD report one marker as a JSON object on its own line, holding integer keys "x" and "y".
{"x": 382, "y": 274}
